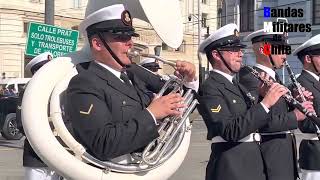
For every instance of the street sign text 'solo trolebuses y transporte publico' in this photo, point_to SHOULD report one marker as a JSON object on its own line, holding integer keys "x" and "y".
{"x": 47, "y": 38}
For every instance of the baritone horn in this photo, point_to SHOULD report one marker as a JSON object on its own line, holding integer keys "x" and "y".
{"x": 171, "y": 129}
{"x": 133, "y": 53}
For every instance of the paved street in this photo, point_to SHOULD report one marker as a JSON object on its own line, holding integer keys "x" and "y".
{"x": 193, "y": 168}
{"x": 11, "y": 160}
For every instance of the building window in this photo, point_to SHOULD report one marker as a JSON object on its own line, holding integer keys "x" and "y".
{"x": 316, "y": 12}
{"x": 219, "y": 23}
{"x": 76, "y": 3}
{"x": 204, "y": 1}
{"x": 246, "y": 15}
{"x": 165, "y": 46}
{"x": 221, "y": 13}
{"x": 76, "y": 28}
{"x": 204, "y": 18}
{"x": 182, "y": 47}
{"x": 25, "y": 27}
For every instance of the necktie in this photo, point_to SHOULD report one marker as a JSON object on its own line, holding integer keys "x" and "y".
{"x": 125, "y": 78}
{"x": 235, "y": 81}
{"x": 244, "y": 93}
{"x": 236, "y": 84}
{"x": 278, "y": 78}
{"x": 133, "y": 85}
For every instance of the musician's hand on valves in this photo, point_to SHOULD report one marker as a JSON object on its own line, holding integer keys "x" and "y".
{"x": 272, "y": 94}
{"x": 186, "y": 69}
{"x": 308, "y": 105}
{"x": 263, "y": 87}
{"x": 168, "y": 105}
{"x": 307, "y": 95}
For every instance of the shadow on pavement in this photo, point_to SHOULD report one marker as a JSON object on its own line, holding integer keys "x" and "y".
{"x": 18, "y": 144}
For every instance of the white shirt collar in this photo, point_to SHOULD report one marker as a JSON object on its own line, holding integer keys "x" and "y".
{"x": 113, "y": 71}
{"x": 267, "y": 70}
{"x": 312, "y": 74}
{"x": 228, "y": 76}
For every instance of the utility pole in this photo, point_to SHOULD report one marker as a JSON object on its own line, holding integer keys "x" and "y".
{"x": 201, "y": 78}
{"x": 49, "y": 12}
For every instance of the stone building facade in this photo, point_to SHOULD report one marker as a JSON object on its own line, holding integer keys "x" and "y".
{"x": 16, "y": 14}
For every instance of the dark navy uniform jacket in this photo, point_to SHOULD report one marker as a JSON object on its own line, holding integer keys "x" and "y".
{"x": 309, "y": 150}
{"x": 278, "y": 150}
{"x": 109, "y": 117}
{"x": 229, "y": 113}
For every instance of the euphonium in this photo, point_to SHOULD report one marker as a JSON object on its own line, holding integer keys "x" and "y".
{"x": 132, "y": 53}
{"x": 171, "y": 129}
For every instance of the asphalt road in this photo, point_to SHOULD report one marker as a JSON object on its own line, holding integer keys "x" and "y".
{"x": 193, "y": 168}
{"x": 11, "y": 159}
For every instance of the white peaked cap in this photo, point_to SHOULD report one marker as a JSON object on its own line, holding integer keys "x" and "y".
{"x": 223, "y": 32}
{"x": 260, "y": 32}
{"x": 308, "y": 45}
{"x": 107, "y": 13}
{"x": 37, "y": 59}
{"x": 147, "y": 60}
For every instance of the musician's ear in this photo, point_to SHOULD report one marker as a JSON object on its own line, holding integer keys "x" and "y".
{"x": 307, "y": 59}
{"x": 215, "y": 54}
{"x": 96, "y": 43}
{"x": 261, "y": 50}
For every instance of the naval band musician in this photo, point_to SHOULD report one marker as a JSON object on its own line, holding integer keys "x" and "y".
{"x": 110, "y": 113}
{"x": 228, "y": 112}
{"x": 309, "y": 149}
{"x": 277, "y": 142}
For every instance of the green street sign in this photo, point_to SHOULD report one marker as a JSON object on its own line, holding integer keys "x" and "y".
{"x": 47, "y": 38}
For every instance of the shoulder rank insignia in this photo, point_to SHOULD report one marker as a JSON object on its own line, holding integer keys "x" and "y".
{"x": 88, "y": 112}
{"x": 216, "y": 110}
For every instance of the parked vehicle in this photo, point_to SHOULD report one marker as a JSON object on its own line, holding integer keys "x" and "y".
{"x": 8, "y": 122}
{"x": 8, "y": 104}
{"x": 14, "y": 84}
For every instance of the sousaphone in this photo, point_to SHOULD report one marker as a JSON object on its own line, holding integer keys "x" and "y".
{"x": 47, "y": 88}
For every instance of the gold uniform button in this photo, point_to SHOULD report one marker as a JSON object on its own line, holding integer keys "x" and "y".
{"x": 234, "y": 101}
{"x": 124, "y": 102}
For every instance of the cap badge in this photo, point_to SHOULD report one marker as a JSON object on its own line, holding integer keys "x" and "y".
{"x": 126, "y": 18}
{"x": 236, "y": 32}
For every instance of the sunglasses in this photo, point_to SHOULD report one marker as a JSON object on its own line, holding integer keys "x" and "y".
{"x": 122, "y": 37}
{"x": 119, "y": 36}
{"x": 233, "y": 50}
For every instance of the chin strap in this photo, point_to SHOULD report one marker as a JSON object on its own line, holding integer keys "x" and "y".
{"x": 272, "y": 62}
{"x": 225, "y": 63}
{"x": 314, "y": 66}
{"x": 115, "y": 57}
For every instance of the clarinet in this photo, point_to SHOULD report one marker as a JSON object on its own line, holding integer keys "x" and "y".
{"x": 298, "y": 86}
{"x": 288, "y": 97}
